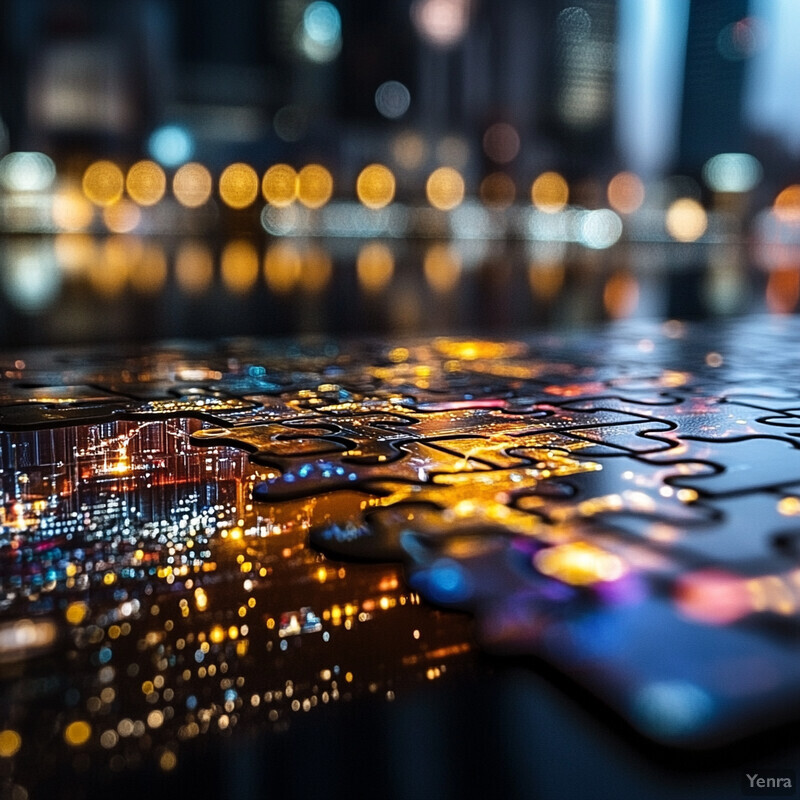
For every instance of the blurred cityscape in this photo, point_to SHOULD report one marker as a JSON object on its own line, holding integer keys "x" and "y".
{"x": 296, "y": 166}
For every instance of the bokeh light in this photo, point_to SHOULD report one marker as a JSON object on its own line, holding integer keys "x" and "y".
{"x": 550, "y": 192}
{"x": 501, "y": 142}
{"x": 150, "y": 273}
{"x": 626, "y": 192}
{"x": 686, "y": 220}
{"x": 442, "y": 268}
{"x": 317, "y": 270}
{"x": 282, "y": 267}
{"x": 314, "y": 186}
{"x": 374, "y": 266}
{"x": 239, "y": 266}
{"x": 599, "y": 229}
{"x": 741, "y": 39}
{"x": 783, "y": 290}
{"x": 171, "y": 145}
{"x": 77, "y": 733}
{"x": 732, "y": 172}
{"x": 238, "y": 185}
{"x": 497, "y": 190}
{"x": 445, "y": 188}
{"x": 321, "y": 33}
{"x": 442, "y": 23}
{"x": 573, "y": 24}
{"x": 103, "y": 183}
{"x": 392, "y": 99}
{"x": 409, "y": 150}
{"x": 787, "y": 204}
{"x": 194, "y": 267}
{"x": 10, "y": 743}
{"x": 71, "y": 211}
{"x": 621, "y": 295}
{"x": 27, "y": 172}
{"x": 279, "y": 185}
{"x": 192, "y": 185}
{"x": 375, "y": 186}
{"x": 146, "y": 183}
{"x": 122, "y": 216}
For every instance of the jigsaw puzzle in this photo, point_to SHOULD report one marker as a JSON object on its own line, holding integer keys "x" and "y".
{"x": 623, "y": 503}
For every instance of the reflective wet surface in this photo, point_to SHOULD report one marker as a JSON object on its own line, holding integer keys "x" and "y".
{"x": 76, "y": 287}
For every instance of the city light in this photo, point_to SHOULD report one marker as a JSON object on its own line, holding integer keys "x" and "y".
{"x": 375, "y": 186}
{"x": 374, "y": 267}
{"x": 194, "y": 267}
{"x": 238, "y": 185}
{"x": 686, "y": 220}
{"x": 27, "y": 172}
{"x": 392, "y": 99}
{"x": 192, "y": 185}
{"x": 497, "y": 190}
{"x": 442, "y": 268}
{"x": 625, "y": 192}
{"x": 282, "y": 267}
{"x": 501, "y": 142}
{"x": 550, "y": 192}
{"x": 171, "y": 145}
{"x": 320, "y": 38}
{"x": 314, "y": 186}
{"x": 445, "y": 188}
{"x": 239, "y": 266}
{"x": 146, "y": 183}
{"x": 103, "y": 183}
{"x": 279, "y": 185}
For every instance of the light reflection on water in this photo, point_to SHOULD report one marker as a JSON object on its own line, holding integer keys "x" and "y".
{"x": 86, "y": 288}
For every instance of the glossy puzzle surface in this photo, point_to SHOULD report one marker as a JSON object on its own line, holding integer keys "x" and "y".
{"x": 623, "y": 504}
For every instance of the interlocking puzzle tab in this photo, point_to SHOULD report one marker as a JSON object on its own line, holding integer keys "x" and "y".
{"x": 622, "y": 503}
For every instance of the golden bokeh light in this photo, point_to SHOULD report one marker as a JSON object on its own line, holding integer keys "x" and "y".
{"x": 122, "y": 216}
{"x": 550, "y": 192}
{"x": 787, "y": 204}
{"x": 317, "y": 270}
{"x": 497, "y": 190}
{"x": 74, "y": 251}
{"x": 10, "y": 743}
{"x": 239, "y": 266}
{"x": 150, "y": 273}
{"x": 625, "y": 192}
{"x": 119, "y": 255}
{"x": 194, "y": 267}
{"x": 282, "y": 267}
{"x": 314, "y": 186}
{"x": 579, "y": 563}
{"x": 445, "y": 188}
{"x": 71, "y": 211}
{"x": 442, "y": 268}
{"x": 192, "y": 185}
{"x": 375, "y": 186}
{"x": 546, "y": 280}
{"x": 77, "y": 733}
{"x": 238, "y": 185}
{"x": 279, "y": 186}
{"x": 374, "y": 266}
{"x": 686, "y": 220}
{"x": 146, "y": 183}
{"x": 103, "y": 183}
